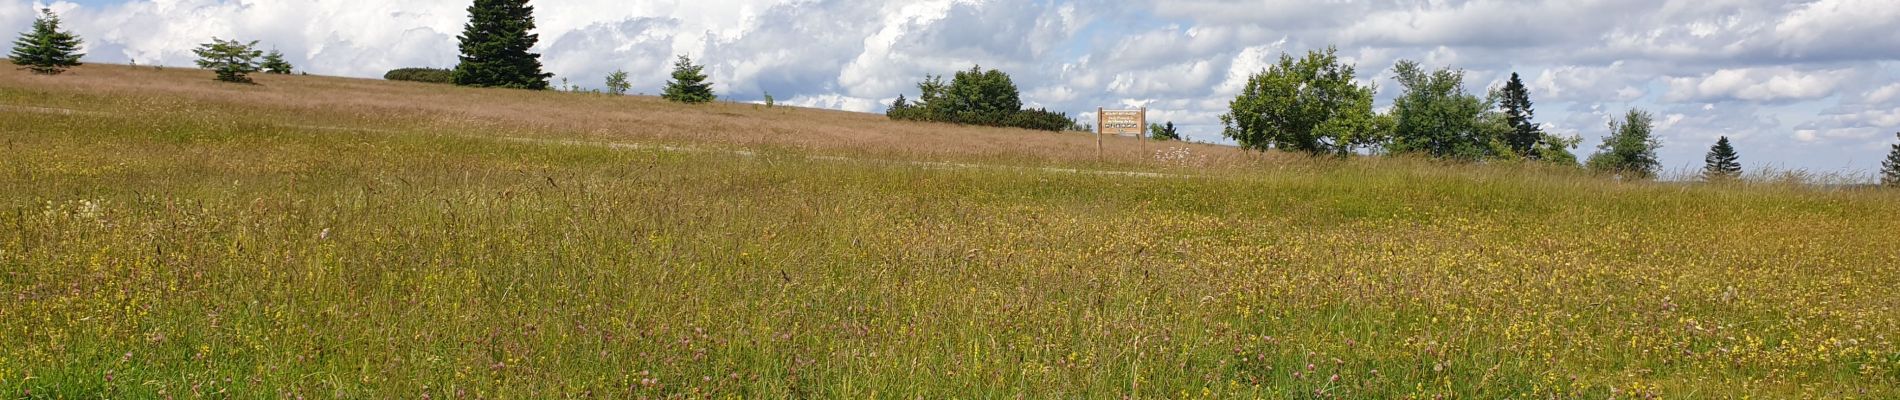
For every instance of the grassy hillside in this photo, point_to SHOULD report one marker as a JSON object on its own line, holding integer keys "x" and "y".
{"x": 163, "y": 235}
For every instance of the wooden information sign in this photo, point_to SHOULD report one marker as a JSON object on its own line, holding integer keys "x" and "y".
{"x": 1119, "y": 123}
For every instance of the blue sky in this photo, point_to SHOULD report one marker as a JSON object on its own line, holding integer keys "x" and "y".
{"x": 1801, "y": 84}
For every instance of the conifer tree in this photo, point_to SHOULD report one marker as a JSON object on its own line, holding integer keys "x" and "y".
{"x": 689, "y": 83}
{"x": 234, "y": 61}
{"x": 45, "y": 49}
{"x": 274, "y": 63}
{"x": 1723, "y": 162}
{"x": 1890, "y": 169}
{"x": 495, "y": 46}
{"x": 1525, "y": 135}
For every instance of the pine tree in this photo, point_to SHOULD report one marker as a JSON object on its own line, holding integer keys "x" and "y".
{"x": 689, "y": 84}
{"x": 234, "y": 61}
{"x": 45, "y": 49}
{"x": 1890, "y": 171}
{"x": 1525, "y": 135}
{"x": 495, "y": 46}
{"x": 1723, "y": 162}
{"x": 274, "y": 63}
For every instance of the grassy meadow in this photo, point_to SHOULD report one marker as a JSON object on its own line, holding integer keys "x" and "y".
{"x": 166, "y": 236}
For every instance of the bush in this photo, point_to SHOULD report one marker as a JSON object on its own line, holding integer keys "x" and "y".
{"x": 425, "y": 75}
{"x": 1039, "y": 119}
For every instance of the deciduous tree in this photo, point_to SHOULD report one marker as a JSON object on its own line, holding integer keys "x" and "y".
{"x": 1309, "y": 105}
{"x": 617, "y": 83}
{"x": 976, "y": 97}
{"x": 1436, "y": 117}
{"x": 979, "y": 97}
{"x": 1630, "y": 150}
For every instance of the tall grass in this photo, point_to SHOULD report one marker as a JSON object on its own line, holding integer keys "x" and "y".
{"x": 317, "y": 237}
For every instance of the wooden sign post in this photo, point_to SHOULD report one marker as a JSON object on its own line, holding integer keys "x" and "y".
{"x": 1119, "y": 122}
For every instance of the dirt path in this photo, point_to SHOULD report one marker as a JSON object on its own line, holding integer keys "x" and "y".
{"x": 928, "y": 164}
{"x": 682, "y": 149}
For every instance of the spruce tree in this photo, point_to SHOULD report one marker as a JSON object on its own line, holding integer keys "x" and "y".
{"x": 1525, "y": 135}
{"x": 689, "y": 83}
{"x": 1890, "y": 169}
{"x": 1723, "y": 162}
{"x": 495, "y": 46}
{"x": 45, "y": 49}
{"x": 274, "y": 63}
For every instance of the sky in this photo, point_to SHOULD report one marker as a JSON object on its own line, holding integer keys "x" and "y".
{"x": 1796, "y": 84}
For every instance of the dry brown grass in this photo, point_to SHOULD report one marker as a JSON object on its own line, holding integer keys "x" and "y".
{"x": 381, "y": 104}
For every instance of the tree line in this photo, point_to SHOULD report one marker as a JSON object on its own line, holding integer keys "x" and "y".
{"x": 1313, "y": 105}
{"x": 1310, "y": 104}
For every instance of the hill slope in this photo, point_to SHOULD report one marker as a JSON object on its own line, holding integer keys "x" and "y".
{"x": 165, "y": 235}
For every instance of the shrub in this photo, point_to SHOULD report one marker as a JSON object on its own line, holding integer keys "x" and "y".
{"x": 426, "y": 75}
{"x": 1039, "y": 119}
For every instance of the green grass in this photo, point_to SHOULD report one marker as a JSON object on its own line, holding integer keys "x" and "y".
{"x": 161, "y": 247}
